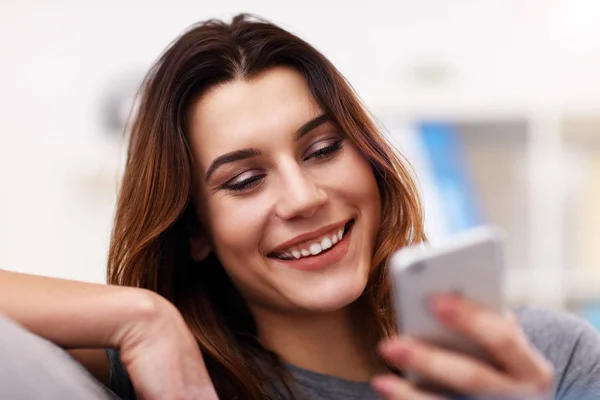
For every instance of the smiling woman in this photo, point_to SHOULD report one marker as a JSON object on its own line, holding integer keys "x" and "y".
{"x": 258, "y": 211}
{"x": 266, "y": 191}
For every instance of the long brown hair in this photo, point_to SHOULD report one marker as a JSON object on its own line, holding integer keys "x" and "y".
{"x": 149, "y": 246}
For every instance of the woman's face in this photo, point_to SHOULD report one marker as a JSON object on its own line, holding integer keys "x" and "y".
{"x": 291, "y": 207}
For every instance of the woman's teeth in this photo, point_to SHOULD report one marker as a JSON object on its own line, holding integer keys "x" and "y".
{"x": 314, "y": 248}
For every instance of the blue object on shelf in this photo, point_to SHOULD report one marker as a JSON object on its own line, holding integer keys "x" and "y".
{"x": 444, "y": 150}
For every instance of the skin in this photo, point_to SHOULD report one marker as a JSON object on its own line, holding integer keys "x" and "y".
{"x": 291, "y": 186}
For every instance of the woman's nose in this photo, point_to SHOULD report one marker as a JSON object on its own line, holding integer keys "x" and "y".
{"x": 300, "y": 196}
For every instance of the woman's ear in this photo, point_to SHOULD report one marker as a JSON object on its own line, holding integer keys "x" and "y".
{"x": 199, "y": 243}
{"x": 199, "y": 247}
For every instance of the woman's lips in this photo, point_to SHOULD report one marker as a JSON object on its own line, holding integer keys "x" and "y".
{"x": 325, "y": 258}
{"x": 304, "y": 245}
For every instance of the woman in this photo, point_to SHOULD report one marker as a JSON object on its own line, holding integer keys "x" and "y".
{"x": 260, "y": 200}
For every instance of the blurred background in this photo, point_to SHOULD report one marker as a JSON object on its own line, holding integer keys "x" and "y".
{"x": 495, "y": 103}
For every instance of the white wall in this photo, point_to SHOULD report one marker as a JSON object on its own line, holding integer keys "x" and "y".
{"x": 58, "y": 165}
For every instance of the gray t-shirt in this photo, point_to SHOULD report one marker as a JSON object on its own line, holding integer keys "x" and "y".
{"x": 569, "y": 343}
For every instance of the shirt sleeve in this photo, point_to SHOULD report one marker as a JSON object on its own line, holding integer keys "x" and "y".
{"x": 581, "y": 379}
{"x": 118, "y": 381}
{"x": 572, "y": 345}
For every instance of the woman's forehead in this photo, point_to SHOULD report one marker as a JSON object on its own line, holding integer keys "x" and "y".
{"x": 266, "y": 108}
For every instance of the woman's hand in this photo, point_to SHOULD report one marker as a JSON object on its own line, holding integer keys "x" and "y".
{"x": 162, "y": 356}
{"x": 524, "y": 373}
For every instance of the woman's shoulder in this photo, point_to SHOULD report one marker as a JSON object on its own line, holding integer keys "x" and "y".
{"x": 553, "y": 329}
{"x": 542, "y": 323}
{"x": 571, "y": 344}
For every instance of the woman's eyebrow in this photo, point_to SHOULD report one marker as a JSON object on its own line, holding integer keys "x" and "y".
{"x": 312, "y": 124}
{"x": 227, "y": 158}
{"x": 244, "y": 154}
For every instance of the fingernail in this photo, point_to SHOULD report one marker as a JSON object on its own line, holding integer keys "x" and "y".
{"x": 443, "y": 305}
{"x": 397, "y": 350}
{"x": 383, "y": 385}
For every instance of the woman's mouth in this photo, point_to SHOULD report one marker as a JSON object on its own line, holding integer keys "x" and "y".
{"x": 314, "y": 247}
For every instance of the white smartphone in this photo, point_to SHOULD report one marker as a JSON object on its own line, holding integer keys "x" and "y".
{"x": 469, "y": 264}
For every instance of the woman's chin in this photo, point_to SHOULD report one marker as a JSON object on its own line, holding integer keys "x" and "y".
{"x": 327, "y": 298}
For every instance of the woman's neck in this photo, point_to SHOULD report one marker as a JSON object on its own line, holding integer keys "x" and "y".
{"x": 334, "y": 344}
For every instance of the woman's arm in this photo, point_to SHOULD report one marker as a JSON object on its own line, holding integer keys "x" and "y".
{"x": 161, "y": 355}
{"x": 71, "y": 314}
{"x": 83, "y": 317}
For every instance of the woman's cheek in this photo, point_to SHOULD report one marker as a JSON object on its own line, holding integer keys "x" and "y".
{"x": 238, "y": 222}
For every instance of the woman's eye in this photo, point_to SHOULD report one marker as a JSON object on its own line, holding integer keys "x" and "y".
{"x": 240, "y": 185}
{"x": 325, "y": 149}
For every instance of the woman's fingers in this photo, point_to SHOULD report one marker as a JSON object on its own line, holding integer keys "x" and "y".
{"x": 523, "y": 372}
{"x": 452, "y": 370}
{"x": 499, "y": 334}
{"x": 390, "y": 387}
